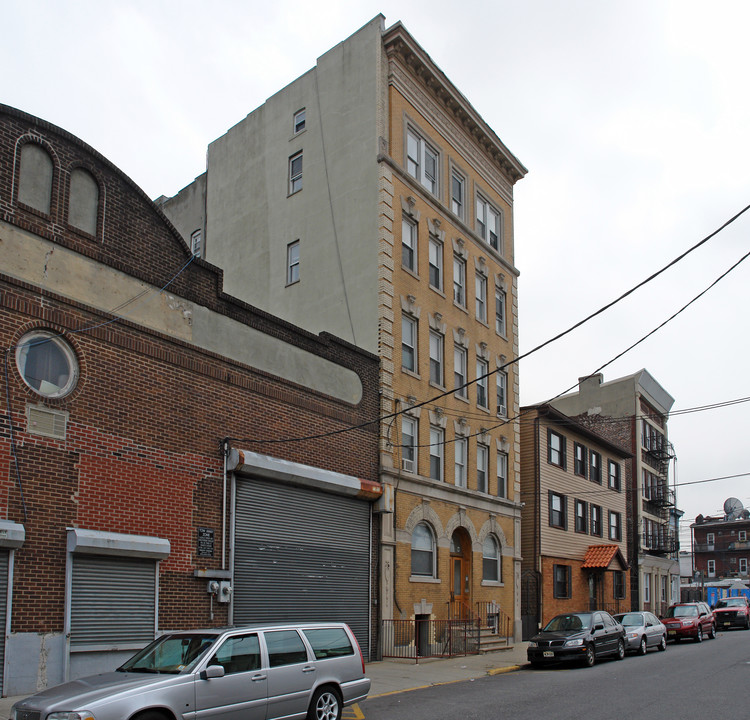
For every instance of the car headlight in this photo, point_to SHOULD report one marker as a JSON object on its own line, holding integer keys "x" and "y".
{"x": 72, "y": 715}
{"x": 632, "y": 635}
{"x": 533, "y": 644}
{"x": 687, "y": 623}
{"x": 574, "y": 643}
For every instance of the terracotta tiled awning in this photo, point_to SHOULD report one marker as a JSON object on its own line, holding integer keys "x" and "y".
{"x": 600, "y": 557}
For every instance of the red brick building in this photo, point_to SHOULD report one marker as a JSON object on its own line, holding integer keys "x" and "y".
{"x": 169, "y": 456}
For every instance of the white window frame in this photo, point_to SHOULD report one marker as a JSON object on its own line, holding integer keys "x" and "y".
{"x": 710, "y": 538}
{"x": 711, "y": 568}
{"x": 501, "y": 384}
{"x": 417, "y": 545}
{"x": 502, "y": 474}
{"x": 493, "y": 560}
{"x": 647, "y": 587}
{"x": 409, "y": 345}
{"x": 459, "y": 281}
{"x": 458, "y": 205}
{"x": 295, "y": 173}
{"x": 437, "y": 445}
{"x": 419, "y": 156}
{"x": 615, "y": 526}
{"x": 482, "y": 368}
{"x": 435, "y": 261}
{"x": 292, "y": 263}
{"x": 460, "y": 370}
{"x": 409, "y": 435}
{"x": 459, "y": 462}
{"x": 437, "y": 373}
{"x": 743, "y": 566}
{"x": 409, "y": 244}
{"x": 480, "y": 294}
{"x": 299, "y": 121}
{"x": 500, "y": 320}
{"x": 196, "y": 242}
{"x": 488, "y": 215}
{"x": 742, "y": 535}
{"x": 483, "y": 457}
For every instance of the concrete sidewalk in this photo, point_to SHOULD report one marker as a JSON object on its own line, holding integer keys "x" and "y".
{"x": 394, "y": 676}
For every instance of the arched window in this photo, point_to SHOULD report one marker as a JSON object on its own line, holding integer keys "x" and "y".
{"x": 83, "y": 205}
{"x": 47, "y": 363}
{"x": 35, "y": 181}
{"x": 423, "y": 551}
{"x": 492, "y": 564}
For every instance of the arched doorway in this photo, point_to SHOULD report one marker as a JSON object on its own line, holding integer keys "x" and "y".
{"x": 460, "y": 602}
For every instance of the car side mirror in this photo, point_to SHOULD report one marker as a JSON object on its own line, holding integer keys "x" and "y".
{"x": 212, "y": 671}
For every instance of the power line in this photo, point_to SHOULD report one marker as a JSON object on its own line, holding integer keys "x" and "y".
{"x": 560, "y": 335}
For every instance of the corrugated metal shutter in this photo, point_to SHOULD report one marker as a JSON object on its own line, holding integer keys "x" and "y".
{"x": 301, "y": 555}
{"x": 4, "y": 556}
{"x": 113, "y": 600}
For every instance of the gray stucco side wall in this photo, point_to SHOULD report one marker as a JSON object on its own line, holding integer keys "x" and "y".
{"x": 187, "y": 210}
{"x": 252, "y": 217}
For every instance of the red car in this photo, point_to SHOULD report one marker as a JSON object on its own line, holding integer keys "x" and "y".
{"x": 693, "y": 620}
{"x": 732, "y": 612}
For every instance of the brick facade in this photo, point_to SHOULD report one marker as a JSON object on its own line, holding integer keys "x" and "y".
{"x": 142, "y": 452}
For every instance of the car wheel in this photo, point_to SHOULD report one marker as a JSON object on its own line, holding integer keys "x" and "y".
{"x": 747, "y": 623}
{"x": 712, "y": 632}
{"x": 325, "y": 705}
{"x": 590, "y": 657}
{"x": 621, "y": 648}
{"x": 663, "y": 643}
{"x": 699, "y": 636}
{"x": 642, "y": 647}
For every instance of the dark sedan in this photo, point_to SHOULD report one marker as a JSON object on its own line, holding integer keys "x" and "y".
{"x": 584, "y": 637}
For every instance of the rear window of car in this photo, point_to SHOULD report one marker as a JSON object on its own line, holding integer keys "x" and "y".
{"x": 329, "y": 642}
{"x": 682, "y": 611}
{"x": 632, "y": 619}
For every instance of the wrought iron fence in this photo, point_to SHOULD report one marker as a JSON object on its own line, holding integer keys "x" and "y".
{"x": 491, "y": 616}
{"x": 416, "y": 639}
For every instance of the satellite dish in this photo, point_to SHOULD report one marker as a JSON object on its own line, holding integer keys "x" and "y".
{"x": 733, "y": 508}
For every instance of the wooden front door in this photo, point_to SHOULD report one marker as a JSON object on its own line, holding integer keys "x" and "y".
{"x": 460, "y": 574}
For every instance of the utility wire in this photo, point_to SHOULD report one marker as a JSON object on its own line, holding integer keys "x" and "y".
{"x": 524, "y": 355}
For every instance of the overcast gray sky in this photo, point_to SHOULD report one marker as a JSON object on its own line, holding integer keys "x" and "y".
{"x": 631, "y": 116}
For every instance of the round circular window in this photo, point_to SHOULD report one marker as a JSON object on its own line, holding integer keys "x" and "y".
{"x": 47, "y": 363}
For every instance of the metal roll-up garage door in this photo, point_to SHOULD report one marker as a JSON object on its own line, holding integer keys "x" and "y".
{"x": 113, "y": 600}
{"x": 4, "y": 557}
{"x": 301, "y": 555}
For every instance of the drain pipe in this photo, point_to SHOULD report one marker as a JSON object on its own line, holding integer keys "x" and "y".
{"x": 224, "y": 508}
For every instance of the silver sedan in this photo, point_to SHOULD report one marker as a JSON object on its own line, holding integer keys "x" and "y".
{"x": 643, "y": 630}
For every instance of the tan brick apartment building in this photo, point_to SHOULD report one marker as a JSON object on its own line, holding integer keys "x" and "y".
{"x": 135, "y": 493}
{"x": 369, "y": 198}
{"x": 574, "y": 519}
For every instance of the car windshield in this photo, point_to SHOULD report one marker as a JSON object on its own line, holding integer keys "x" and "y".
{"x": 169, "y": 654}
{"x": 569, "y": 623}
{"x": 731, "y": 602}
{"x": 630, "y": 619}
{"x": 682, "y": 611}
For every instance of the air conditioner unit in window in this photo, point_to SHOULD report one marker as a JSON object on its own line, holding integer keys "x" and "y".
{"x": 407, "y": 465}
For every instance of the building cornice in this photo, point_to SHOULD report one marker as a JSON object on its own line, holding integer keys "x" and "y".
{"x": 400, "y": 46}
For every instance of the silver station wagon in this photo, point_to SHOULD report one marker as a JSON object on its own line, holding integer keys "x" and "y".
{"x": 250, "y": 673}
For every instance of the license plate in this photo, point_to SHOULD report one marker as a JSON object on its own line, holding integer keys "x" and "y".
{"x": 671, "y": 632}
{"x": 548, "y": 653}
{"x": 727, "y": 623}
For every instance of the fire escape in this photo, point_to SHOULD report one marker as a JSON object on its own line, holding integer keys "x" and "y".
{"x": 658, "y": 538}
